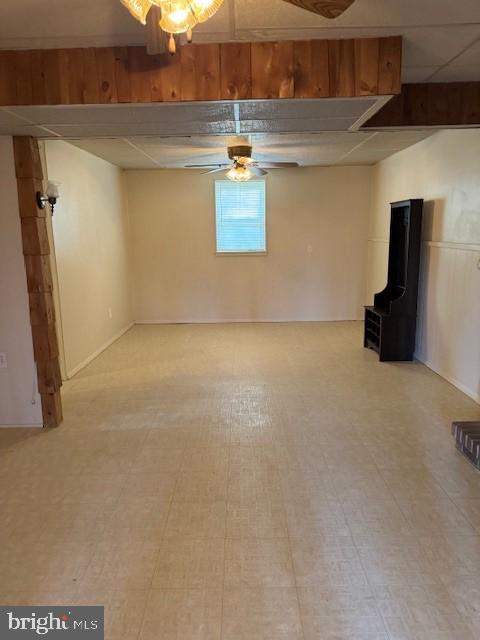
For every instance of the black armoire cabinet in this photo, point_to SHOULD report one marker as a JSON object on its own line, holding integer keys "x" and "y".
{"x": 390, "y": 325}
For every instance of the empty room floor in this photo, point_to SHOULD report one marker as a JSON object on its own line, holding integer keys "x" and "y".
{"x": 248, "y": 482}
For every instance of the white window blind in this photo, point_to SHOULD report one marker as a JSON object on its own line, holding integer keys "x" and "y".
{"x": 240, "y": 216}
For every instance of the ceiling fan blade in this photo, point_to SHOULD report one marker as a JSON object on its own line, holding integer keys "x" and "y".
{"x": 326, "y": 8}
{"x": 277, "y": 165}
{"x": 257, "y": 171}
{"x": 206, "y": 166}
{"x": 157, "y": 40}
{"x": 215, "y": 170}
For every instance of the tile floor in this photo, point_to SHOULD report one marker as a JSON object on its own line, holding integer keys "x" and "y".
{"x": 248, "y": 482}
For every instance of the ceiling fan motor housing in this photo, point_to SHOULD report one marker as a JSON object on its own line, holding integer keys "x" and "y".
{"x": 239, "y": 151}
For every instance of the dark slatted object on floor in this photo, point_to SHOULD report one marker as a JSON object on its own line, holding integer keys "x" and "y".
{"x": 467, "y": 440}
{"x": 390, "y": 325}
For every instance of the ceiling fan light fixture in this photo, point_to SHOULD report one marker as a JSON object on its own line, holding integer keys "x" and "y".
{"x": 138, "y": 8}
{"x": 177, "y": 16}
{"x": 205, "y": 9}
{"x": 239, "y": 174}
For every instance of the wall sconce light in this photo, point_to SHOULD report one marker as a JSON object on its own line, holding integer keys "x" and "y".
{"x": 50, "y": 197}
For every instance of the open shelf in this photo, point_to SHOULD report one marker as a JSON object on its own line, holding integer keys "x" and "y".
{"x": 390, "y": 323}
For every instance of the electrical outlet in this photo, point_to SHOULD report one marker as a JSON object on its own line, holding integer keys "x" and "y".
{"x": 3, "y": 361}
{"x": 110, "y": 314}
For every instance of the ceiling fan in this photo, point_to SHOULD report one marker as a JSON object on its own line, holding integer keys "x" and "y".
{"x": 168, "y": 18}
{"x": 242, "y": 166}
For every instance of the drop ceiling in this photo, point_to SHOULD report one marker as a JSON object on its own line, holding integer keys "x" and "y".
{"x": 185, "y": 119}
{"x": 318, "y": 149}
{"x": 441, "y": 37}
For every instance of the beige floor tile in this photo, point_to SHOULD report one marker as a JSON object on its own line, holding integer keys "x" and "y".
{"x": 261, "y": 614}
{"x": 183, "y": 614}
{"x": 52, "y": 566}
{"x": 93, "y": 488}
{"x": 211, "y": 459}
{"x": 436, "y": 517}
{"x": 258, "y": 563}
{"x": 167, "y": 439}
{"x": 259, "y": 519}
{"x": 201, "y": 486}
{"x": 465, "y": 595}
{"x": 416, "y": 619}
{"x": 252, "y": 457}
{"x": 150, "y": 485}
{"x": 196, "y": 520}
{"x": 124, "y": 610}
{"x": 137, "y": 519}
{"x": 470, "y": 508}
{"x": 124, "y": 564}
{"x": 317, "y": 561}
{"x": 186, "y": 563}
{"x": 157, "y": 460}
{"x": 324, "y": 517}
{"x": 254, "y": 484}
{"x": 284, "y": 456}
{"x": 75, "y": 522}
{"x": 340, "y": 613}
{"x": 397, "y": 564}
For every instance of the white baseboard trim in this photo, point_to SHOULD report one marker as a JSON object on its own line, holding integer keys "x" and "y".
{"x": 21, "y": 426}
{"x": 248, "y": 320}
{"x": 461, "y": 387}
{"x": 79, "y": 367}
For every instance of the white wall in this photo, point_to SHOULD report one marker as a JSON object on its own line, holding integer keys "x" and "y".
{"x": 90, "y": 228}
{"x": 444, "y": 170}
{"x": 315, "y": 267}
{"x": 19, "y": 401}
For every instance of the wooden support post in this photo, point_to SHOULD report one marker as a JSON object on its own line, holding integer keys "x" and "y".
{"x": 36, "y": 250}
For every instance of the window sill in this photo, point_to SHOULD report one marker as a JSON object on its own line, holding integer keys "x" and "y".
{"x": 241, "y": 253}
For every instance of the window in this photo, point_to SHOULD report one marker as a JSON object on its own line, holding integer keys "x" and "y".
{"x": 240, "y": 216}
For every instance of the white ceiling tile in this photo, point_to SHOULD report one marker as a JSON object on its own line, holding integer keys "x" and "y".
{"x": 126, "y": 114}
{"x": 117, "y": 151}
{"x": 314, "y": 149}
{"x": 394, "y": 140}
{"x": 25, "y": 130}
{"x": 292, "y": 125}
{"x": 417, "y": 74}
{"x": 9, "y": 118}
{"x": 142, "y": 129}
{"x": 330, "y": 108}
{"x": 471, "y": 56}
{"x": 252, "y": 14}
{"x": 454, "y": 73}
{"x": 437, "y": 45}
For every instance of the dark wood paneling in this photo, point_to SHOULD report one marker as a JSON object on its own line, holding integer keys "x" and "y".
{"x": 431, "y": 105}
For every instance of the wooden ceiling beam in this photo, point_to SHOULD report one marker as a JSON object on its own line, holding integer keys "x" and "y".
{"x": 199, "y": 72}
{"x": 437, "y": 104}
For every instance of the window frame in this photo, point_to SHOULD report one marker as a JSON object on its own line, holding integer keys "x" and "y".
{"x": 239, "y": 253}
